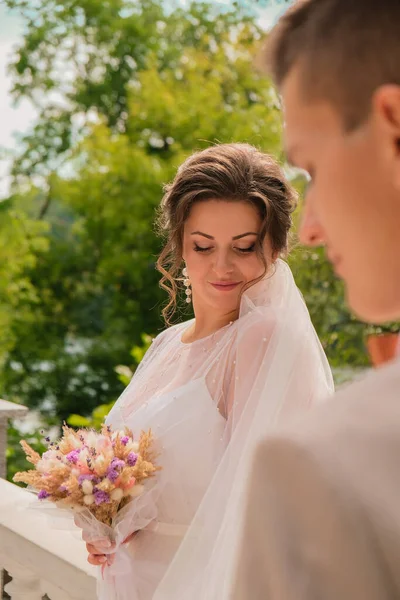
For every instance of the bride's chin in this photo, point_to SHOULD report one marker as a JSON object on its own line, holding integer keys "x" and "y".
{"x": 220, "y": 303}
{"x": 224, "y": 308}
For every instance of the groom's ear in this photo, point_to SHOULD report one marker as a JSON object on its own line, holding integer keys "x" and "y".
{"x": 386, "y": 106}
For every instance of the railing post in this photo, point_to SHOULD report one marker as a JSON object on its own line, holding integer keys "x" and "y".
{"x": 24, "y": 585}
{"x": 8, "y": 410}
{"x": 3, "y": 447}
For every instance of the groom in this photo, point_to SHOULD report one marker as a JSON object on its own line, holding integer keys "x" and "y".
{"x": 323, "y": 514}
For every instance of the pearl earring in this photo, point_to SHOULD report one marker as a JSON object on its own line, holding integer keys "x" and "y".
{"x": 186, "y": 283}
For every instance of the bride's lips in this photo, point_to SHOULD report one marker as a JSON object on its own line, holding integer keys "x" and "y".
{"x": 225, "y": 286}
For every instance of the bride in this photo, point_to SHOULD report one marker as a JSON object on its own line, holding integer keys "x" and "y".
{"x": 209, "y": 388}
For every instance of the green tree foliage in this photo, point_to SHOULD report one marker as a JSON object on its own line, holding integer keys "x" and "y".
{"x": 78, "y": 62}
{"x": 22, "y": 245}
{"x": 125, "y": 374}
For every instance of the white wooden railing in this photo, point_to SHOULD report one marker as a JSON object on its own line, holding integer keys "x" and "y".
{"x": 41, "y": 561}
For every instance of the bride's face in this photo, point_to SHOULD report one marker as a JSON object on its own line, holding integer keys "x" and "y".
{"x": 219, "y": 248}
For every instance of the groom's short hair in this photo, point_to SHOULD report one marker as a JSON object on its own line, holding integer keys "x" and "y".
{"x": 345, "y": 50}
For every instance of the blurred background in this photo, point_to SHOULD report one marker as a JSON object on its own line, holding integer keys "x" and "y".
{"x": 100, "y": 101}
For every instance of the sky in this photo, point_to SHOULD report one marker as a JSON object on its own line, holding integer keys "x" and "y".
{"x": 17, "y": 119}
{"x": 13, "y": 119}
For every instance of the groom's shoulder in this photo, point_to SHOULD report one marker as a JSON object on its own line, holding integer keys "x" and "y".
{"x": 384, "y": 380}
{"x": 365, "y": 407}
{"x": 376, "y": 392}
{"x": 373, "y": 390}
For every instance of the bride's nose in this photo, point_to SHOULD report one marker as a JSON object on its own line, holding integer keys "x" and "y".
{"x": 222, "y": 264}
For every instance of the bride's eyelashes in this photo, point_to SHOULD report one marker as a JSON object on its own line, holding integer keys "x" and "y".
{"x": 247, "y": 250}
{"x": 201, "y": 248}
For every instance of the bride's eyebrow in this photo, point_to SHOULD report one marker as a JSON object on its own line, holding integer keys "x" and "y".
{"x": 236, "y": 237}
{"x": 242, "y": 235}
{"x": 209, "y": 237}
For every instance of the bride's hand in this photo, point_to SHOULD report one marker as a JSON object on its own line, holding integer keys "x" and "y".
{"x": 96, "y": 551}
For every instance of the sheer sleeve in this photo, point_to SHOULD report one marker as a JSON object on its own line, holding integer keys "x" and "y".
{"x": 250, "y": 358}
{"x": 249, "y": 353}
{"x": 139, "y": 389}
{"x": 233, "y": 377}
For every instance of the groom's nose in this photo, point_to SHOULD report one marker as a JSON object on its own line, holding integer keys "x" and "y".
{"x": 311, "y": 232}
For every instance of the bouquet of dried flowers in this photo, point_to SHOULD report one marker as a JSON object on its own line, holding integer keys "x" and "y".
{"x": 99, "y": 471}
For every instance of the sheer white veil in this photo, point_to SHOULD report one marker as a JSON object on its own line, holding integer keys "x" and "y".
{"x": 279, "y": 367}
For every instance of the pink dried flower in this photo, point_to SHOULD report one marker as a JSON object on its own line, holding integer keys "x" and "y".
{"x": 112, "y": 475}
{"x": 101, "y": 497}
{"x": 117, "y": 463}
{"x": 73, "y": 456}
{"x": 132, "y": 459}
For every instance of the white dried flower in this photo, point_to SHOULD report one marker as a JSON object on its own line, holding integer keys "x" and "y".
{"x": 42, "y": 466}
{"x": 136, "y": 490}
{"x": 75, "y": 442}
{"x": 88, "y": 500}
{"x": 91, "y": 439}
{"x": 117, "y": 494}
{"x": 87, "y": 487}
{"x": 99, "y": 462}
{"x": 46, "y": 464}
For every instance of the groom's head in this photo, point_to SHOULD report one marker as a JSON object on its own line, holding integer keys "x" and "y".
{"x": 337, "y": 65}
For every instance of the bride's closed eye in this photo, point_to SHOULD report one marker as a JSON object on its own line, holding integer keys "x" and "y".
{"x": 198, "y": 248}
{"x": 248, "y": 249}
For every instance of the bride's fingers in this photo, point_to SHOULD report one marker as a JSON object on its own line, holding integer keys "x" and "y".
{"x": 102, "y": 542}
{"x": 96, "y": 548}
{"x": 92, "y": 549}
{"x": 100, "y": 546}
{"x": 97, "y": 559}
{"x": 101, "y": 559}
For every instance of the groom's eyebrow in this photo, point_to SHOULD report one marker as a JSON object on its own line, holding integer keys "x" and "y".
{"x": 236, "y": 237}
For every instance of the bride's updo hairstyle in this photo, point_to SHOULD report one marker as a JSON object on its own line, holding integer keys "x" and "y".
{"x": 229, "y": 172}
